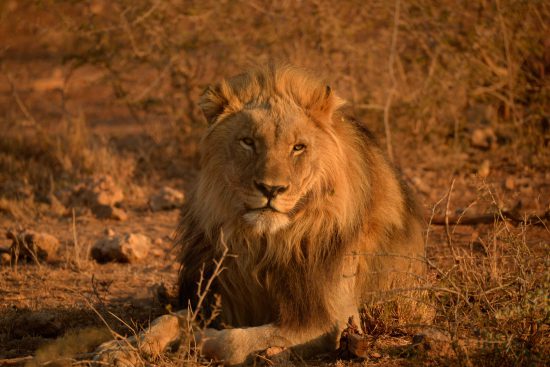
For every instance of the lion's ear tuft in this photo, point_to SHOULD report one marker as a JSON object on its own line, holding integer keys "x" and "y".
{"x": 324, "y": 107}
{"x": 212, "y": 103}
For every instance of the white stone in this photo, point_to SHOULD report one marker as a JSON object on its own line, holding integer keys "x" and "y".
{"x": 129, "y": 247}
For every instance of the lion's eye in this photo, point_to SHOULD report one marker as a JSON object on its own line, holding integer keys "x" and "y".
{"x": 247, "y": 143}
{"x": 298, "y": 147}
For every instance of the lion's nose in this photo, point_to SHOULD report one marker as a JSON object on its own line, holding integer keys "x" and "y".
{"x": 270, "y": 191}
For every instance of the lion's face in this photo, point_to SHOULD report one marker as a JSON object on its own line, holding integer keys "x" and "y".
{"x": 269, "y": 145}
{"x": 270, "y": 160}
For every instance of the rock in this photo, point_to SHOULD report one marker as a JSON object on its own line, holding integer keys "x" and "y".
{"x": 484, "y": 138}
{"x": 158, "y": 249}
{"x": 109, "y": 212}
{"x": 127, "y": 248}
{"x": 166, "y": 199}
{"x": 100, "y": 190}
{"x": 5, "y": 258}
{"x": 484, "y": 169}
{"x": 510, "y": 183}
{"x": 101, "y": 194}
{"x": 55, "y": 81}
{"x": 430, "y": 340}
{"x": 32, "y": 245}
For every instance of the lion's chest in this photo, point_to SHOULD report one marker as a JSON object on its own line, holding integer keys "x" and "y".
{"x": 246, "y": 300}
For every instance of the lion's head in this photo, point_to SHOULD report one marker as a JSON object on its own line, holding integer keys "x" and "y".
{"x": 269, "y": 148}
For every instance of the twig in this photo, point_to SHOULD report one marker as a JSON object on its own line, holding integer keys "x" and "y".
{"x": 113, "y": 332}
{"x": 509, "y": 66}
{"x": 432, "y": 215}
{"x": 391, "y": 71}
{"x": 18, "y": 361}
{"x": 75, "y": 242}
{"x": 18, "y": 100}
{"x": 202, "y": 293}
{"x": 447, "y": 205}
{"x": 489, "y": 218}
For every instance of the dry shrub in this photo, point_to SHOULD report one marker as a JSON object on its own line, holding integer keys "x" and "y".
{"x": 491, "y": 297}
{"x": 36, "y": 163}
{"x": 457, "y": 65}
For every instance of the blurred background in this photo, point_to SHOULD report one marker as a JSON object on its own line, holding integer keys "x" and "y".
{"x": 460, "y": 89}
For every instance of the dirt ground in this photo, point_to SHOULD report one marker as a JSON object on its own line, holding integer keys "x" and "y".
{"x": 63, "y": 124}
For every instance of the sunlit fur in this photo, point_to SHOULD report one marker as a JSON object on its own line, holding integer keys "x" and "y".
{"x": 345, "y": 210}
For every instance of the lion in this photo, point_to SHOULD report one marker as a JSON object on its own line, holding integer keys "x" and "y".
{"x": 317, "y": 222}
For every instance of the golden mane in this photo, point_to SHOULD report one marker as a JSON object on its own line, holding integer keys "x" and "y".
{"x": 269, "y": 85}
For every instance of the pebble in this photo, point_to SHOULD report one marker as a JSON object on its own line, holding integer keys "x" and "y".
{"x": 166, "y": 198}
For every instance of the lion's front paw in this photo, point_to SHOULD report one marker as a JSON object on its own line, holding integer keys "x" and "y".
{"x": 119, "y": 353}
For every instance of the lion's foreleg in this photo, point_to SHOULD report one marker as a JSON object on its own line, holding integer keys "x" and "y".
{"x": 163, "y": 332}
{"x": 234, "y": 346}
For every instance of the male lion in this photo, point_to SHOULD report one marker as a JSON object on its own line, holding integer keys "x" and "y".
{"x": 315, "y": 219}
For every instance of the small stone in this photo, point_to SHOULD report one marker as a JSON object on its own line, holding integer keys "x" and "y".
{"x": 430, "y": 339}
{"x": 167, "y": 198}
{"x": 109, "y": 232}
{"x": 510, "y": 183}
{"x": 99, "y": 191}
{"x": 157, "y": 252}
{"x": 109, "y": 212}
{"x": 32, "y": 245}
{"x": 128, "y": 248}
{"x": 484, "y": 169}
{"x": 55, "y": 81}
{"x": 375, "y": 355}
{"x": 5, "y": 258}
{"x": 484, "y": 138}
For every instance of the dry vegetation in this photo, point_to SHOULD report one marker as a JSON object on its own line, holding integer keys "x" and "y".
{"x": 458, "y": 91}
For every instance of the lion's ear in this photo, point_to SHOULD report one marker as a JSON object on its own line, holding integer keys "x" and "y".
{"x": 212, "y": 103}
{"x": 326, "y": 105}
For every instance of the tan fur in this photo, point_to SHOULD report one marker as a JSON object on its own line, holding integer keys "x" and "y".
{"x": 345, "y": 235}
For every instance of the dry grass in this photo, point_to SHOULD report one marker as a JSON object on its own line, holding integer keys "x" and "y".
{"x": 491, "y": 296}
{"x": 111, "y": 87}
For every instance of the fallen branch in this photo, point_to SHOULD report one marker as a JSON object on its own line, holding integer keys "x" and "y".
{"x": 15, "y": 361}
{"x": 20, "y": 361}
{"x": 504, "y": 215}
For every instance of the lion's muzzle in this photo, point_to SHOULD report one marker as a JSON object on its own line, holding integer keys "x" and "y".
{"x": 270, "y": 191}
